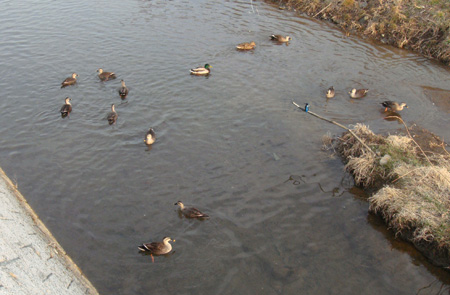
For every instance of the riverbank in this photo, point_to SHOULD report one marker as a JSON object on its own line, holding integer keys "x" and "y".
{"x": 408, "y": 177}
{"x": 32, "y": 261}
{"x": 419, "y": 25}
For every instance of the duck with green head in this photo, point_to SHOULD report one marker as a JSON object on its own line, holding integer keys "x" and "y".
{"x": 201, "y": 71}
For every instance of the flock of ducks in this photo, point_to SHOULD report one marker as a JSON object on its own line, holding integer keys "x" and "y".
{"x": 393, "y": 106}
{"x": 354, "y": 93}
{"x": 164, "y": 247}
{"x": 112, "y": 116}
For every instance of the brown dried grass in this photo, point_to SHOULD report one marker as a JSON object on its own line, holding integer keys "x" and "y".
{"x": 416, "y": 201}
{"x": 420, "y": 26}
{"x": 419, "y": 205}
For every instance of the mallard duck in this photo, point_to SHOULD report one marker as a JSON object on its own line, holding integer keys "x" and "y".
{"x": 123, "y": 90}
{"x": 157, "y": 248}
{"x": 112, "y": 116}
{"x": 358, "y": 93}
{"x": 150, "y": 137}
{"x": 190, "y": 212}
{"x": 70, "y": 80}
{"x": 201, "y": 71}
{"x": 246, "y": 46}
{"x": 393, "y": 106}
{"x": 105, "y": 76}
{"x": 66, "y": 108}
{"x": 280, "y": 38}
{"x": 330, "y": 92}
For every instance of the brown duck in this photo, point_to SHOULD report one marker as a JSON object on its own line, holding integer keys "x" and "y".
{"x": 393, "y": 106}
{"x": 157, "y": 248}
{"x": 246, "y": 46}
{"x": 123, "y": 90}
{"x": 150, "y": 136}
{"x": 330, "y": 92}
{"x": 66, "y": 108}
{"x": 70, "y": 80}
{"x": 280, "y": 38}
{"x": 190, "y": 212}
{"x": 105, "y": 76}
{"x": 358, "y": 93}
{"x": 112, "y": 116}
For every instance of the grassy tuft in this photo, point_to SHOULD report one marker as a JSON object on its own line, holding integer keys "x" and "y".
{"x": 415, "y": 196}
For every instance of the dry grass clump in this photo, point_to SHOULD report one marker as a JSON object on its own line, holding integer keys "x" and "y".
{"x": 361, "y": 162}
{"x": 349, "y": 146}
{"x": 363, "y": 169}
{"x": 418, "y": 208}
{"x": 415, "y": 199}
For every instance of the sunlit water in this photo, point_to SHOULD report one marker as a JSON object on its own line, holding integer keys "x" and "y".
{"x": 285, "y": 218}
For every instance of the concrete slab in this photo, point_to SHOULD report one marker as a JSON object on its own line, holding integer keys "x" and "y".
{"x": 31, "y": 260}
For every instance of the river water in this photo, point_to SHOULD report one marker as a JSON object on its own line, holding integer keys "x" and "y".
{"x": 285, "y": 218}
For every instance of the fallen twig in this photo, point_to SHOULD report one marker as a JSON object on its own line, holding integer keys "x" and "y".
{"x": 338, "y": 124}
{"x": 322, "y": 10}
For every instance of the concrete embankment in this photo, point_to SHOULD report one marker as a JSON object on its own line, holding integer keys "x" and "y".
{"x": 31, "y": 260}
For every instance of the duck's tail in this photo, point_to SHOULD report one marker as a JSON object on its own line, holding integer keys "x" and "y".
{"x": 142, "y": 248}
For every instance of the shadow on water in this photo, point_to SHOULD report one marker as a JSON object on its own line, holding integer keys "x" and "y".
{"x": 438, "y": 286}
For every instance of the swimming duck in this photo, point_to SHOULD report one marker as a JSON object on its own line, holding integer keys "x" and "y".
{"x": 246, "y": 46}
{"x": 105, "y": 76}
{"x": 70, "y": 80}
{"x": 190, "y": 212}
{"x": 150, "y": 137}
{"x": 201, "y": 71}
{"x": 66, "y": 108}
{"x": 330, "y": 92}
{"x": 123, "y": 90}
{"x": 112, "y": 116}
{"x": 280, "y": 38}
{"x": 393, "y": 106}
{"x": 157, "y": 248}
{"x": 358, "y": 93}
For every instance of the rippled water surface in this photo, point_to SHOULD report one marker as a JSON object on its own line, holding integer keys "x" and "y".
{"x": 285, "y": 218}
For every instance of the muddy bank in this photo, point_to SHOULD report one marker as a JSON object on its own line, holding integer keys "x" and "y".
{"x": 408, "y": 177}
{"x": 419, "y": 25}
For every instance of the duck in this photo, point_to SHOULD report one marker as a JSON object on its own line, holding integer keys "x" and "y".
{"x": 280, "y": 38}
{"x": 201, "y": 71}
{"x": 157, "y": 248}
{"x": 66, "y": 108}
{"x": 358, "y": 93}
{"x": 393, "y": 106}
{"x": 70, "y": 80}
{"x": 105, "y": 76}
{"x": 123, "y": 90}
{"x": 190, "y": 212}
{"x": 330, "y": 92}
{"x": 112, "y": 116}
{"x": 150, "y": 136}
{"x": 246, "y": 46}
